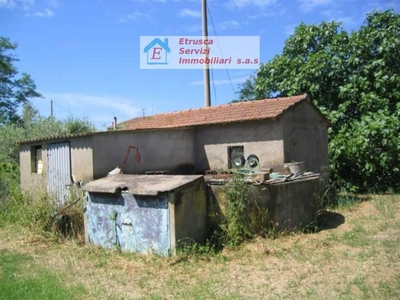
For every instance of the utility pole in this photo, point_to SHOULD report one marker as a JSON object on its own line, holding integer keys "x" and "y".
{"x": 207, "y": 101}
{"x": 51, "y": 108}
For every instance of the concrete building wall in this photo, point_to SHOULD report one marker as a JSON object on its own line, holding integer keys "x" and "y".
{"x": 82, "y": 158}
{"x": 306, "y": 137}
{"x": 290, "y": 204}
{"x": 300, "y": 134}
{"x": 81, "y": 163}
{"x": 189, "y": 214}
{"x": 262, "y": 138}
{"x": 32, "y": 183}
{"x": 159, "y": 150}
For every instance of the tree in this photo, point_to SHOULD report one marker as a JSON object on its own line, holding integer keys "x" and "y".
{"x": 247, "y": 91}
{"x": 355, "y": 80}
{"x": 13, "y": 91}
{"x": 34, "y": 126}
{"x": 75, "y": 125}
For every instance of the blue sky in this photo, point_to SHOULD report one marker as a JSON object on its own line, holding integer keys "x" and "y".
{"x": 84, "y": 54}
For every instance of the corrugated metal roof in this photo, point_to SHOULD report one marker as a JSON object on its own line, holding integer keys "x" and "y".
{"x": 55, "y": 137}
{"x": 227, "y": 113}
{"x": 139, "y": 184}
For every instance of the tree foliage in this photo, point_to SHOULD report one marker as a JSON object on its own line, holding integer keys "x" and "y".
{"x": 32, "y": 126}
{"x": 354, "y": 78}
{"x": 14, "y": 90}
{"x": 247, "y": 90}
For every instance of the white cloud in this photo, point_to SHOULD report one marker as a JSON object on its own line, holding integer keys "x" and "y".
{"x": 53, "y": 3}
{"x": 243, "y": 3}
{"x": 189, "y": 13}
{"x": 277, "y": 11}
{"x": 228, "y": 24}
{"x": 194, "y": 29}
{"x": 340, "y": 16}
{"x": 95, "y": 105}
{"x": 17, "y": 4}
{"x": 309, "y": 5}
{"x": 135, "y": 16}
{"x": 162, "y": 1}
{"x": 289, "y": 29}
{"x": 381, "y": 5}
{"x": 197, "y": 29}
{"x": 45, "y": 13}
{"x": 348, "y": 21}
{"x": 222, "y": 81}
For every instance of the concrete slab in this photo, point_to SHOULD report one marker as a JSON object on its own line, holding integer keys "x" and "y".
{"x": 139, "y": 184}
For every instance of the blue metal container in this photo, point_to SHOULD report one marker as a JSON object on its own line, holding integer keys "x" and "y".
{"x": 145, "y": 213}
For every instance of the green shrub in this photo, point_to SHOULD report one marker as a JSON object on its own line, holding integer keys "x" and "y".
{"x": 244, "y": 217}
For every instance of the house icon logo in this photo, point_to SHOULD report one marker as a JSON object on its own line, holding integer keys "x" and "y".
{"x": 157, "y": 51}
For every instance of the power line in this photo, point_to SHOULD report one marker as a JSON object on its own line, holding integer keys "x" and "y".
{"x": 67, "y": 110}
{"x": 214, "y": 89}
{"x": 219, "y": 46}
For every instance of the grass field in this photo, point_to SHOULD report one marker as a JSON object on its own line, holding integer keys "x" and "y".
{"x": 356, "y": 255}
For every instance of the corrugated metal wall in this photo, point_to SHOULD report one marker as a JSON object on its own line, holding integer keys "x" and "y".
{"x": 59, "y": 159}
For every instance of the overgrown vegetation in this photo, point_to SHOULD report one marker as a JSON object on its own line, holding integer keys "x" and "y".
{"x": 354, "y": 78}
{"x": 368, "y": 115}
{"x": 16, "y": 92}
{"x": 9, "y": 187}
{"x": 38, "y": 211}
{"x": 244, "y": 216}
{"x": 357, "y": 260}
{"x": 34, "y": 126}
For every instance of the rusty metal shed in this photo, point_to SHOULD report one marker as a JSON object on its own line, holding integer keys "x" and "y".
{"x": 145, "y": 213}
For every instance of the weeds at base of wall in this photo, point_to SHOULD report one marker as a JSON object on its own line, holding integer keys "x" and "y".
{"x": 337, "y": 196}
{"x": 39, "y": 213}
{"x": 244, "y": 216}
{"x": 40, "y": 217}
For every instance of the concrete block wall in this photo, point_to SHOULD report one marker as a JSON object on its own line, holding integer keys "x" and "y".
{"x": 81, "y": 163}
{"x": 262, "y": 138}
{"x": 159, "y": 150}
{"x": 306, "y": 137}
{"x": 290, "y": 204}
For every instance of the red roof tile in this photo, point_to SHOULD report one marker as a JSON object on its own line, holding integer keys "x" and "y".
{"x": 227, "y": 113}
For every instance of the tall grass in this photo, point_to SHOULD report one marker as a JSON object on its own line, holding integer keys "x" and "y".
{"x": 244, "y": 216}
{"x": 37, "y": 211}
{"x": 9, "y": 193}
